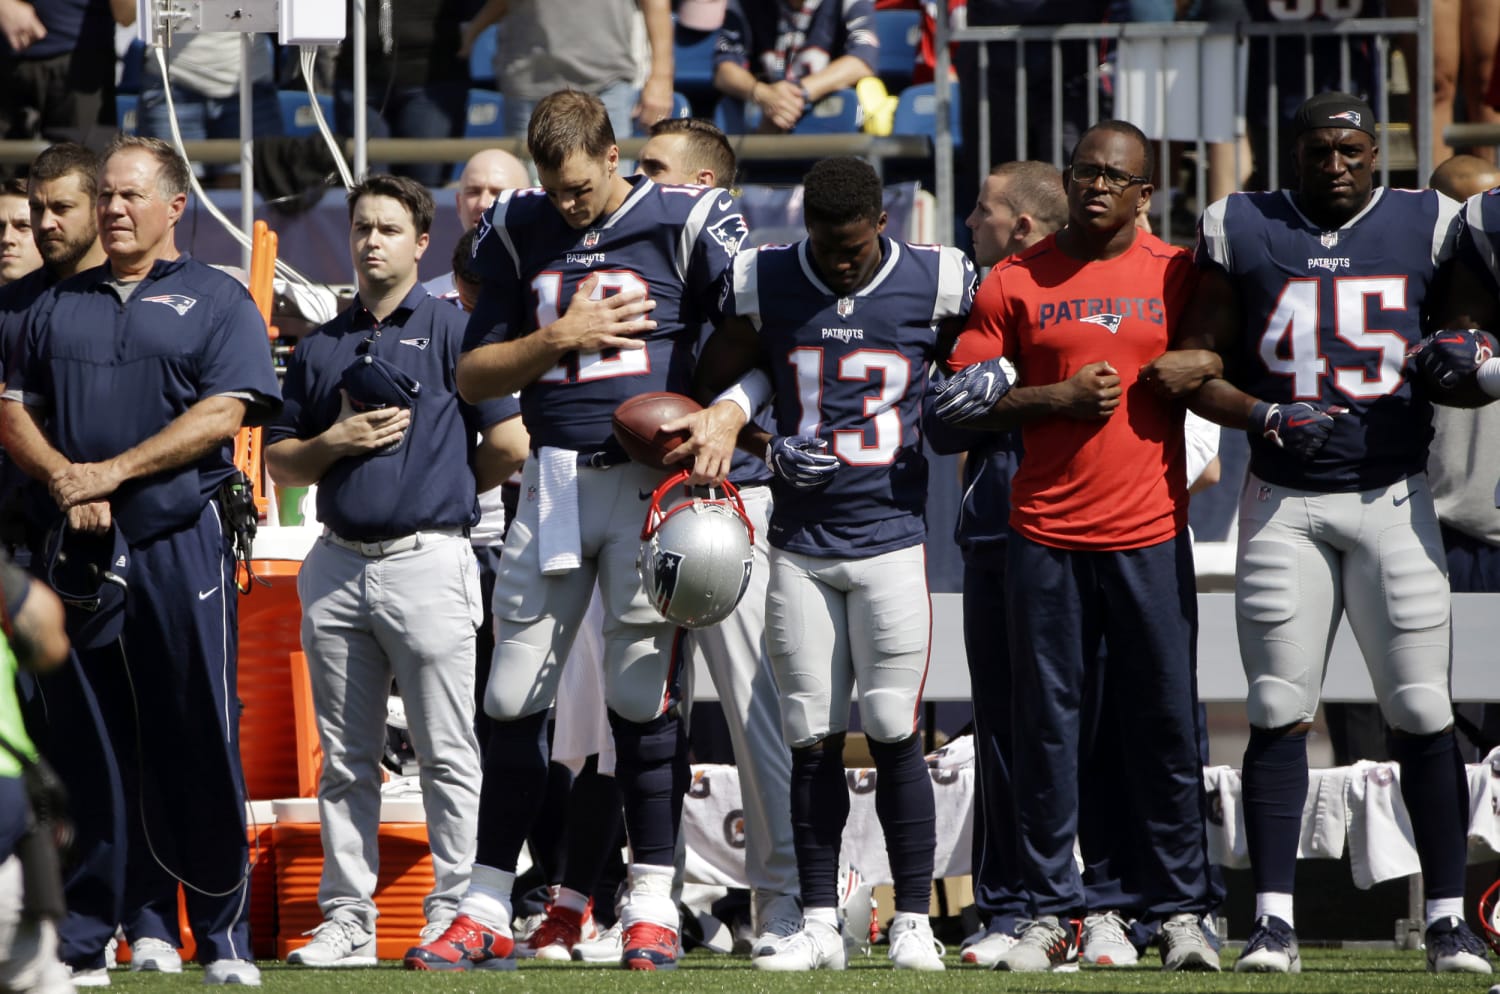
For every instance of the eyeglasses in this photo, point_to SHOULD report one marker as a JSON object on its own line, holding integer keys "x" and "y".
{"x": 1114, "y": 180}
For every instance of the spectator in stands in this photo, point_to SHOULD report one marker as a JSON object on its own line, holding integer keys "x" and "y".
{"x": 418, "y": 84}
{"x": 1465, "y": 35}
{"x": 57, "y": 69}
{"x": 18, "y": 252}
{"x": 205, "y": 74}
{"x": 542, "y": 50}
{"x": 782, "y": 59}
{"x": 484, "y": 176}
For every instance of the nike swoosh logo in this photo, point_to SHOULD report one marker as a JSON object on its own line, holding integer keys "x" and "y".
{"x": 1398, "y": 501}
{"x": 724, "y": 205}
{"x": 204, "y": 595}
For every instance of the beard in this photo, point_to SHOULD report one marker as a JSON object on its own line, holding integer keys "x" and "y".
{"x": 64, "y": 252}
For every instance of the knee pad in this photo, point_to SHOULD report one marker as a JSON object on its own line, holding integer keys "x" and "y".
{"x": 516, "y": 673}
{"x": 888, "y": 716}
{"x": 1418, "y": 709}
{"x": 1275, "y": 700}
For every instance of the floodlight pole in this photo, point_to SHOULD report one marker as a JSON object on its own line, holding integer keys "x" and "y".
{"x": 361, "y": 88}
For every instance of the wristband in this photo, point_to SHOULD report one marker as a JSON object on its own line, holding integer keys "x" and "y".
{"x": 806, "y": 97}
{"x": 750, "y": 392}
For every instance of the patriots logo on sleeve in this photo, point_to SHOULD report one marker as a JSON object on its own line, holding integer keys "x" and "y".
{"x": 1110, "y": 321}
{"x": 178, "y": 302}
{"x": 730, "y": 231}
{"x": 482, "y": 228}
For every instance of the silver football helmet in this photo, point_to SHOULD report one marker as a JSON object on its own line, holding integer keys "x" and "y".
{"x": 696, "y": 557}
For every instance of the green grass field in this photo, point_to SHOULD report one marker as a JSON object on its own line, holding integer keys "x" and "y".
{"x": 1325, "y": 971}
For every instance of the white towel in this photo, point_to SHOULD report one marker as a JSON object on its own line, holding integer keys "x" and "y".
{"x": 1381, "y": 845}
{"x": 1484, "y": 808}
{"x": 581, "y": 727}
{"x": 557, "y": 540}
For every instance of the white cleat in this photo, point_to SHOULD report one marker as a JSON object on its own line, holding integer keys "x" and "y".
{"x": 912, "y": 945}
{"x": 815, "y": 946}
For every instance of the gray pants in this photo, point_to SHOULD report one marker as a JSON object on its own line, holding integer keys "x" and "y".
{"x": 410, "y": 615}
{"x": 735, "y": 654}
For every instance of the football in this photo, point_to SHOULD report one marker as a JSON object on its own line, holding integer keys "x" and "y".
{"x": 638, "y": 421}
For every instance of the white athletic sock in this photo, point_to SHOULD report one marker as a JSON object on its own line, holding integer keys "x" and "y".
{"x": 650, "y": 897}
{"x": 828, "y": 917}
{"x": 570, "y": 899}
{"x": 487, "y": 900}
{"x": 1443, "y": 907}
{"x": 1276, "y": 905}
{"x": 902, "y": 916}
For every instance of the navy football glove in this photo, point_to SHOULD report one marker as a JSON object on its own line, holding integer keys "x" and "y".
{"x": 972, "y": 391}
{"x": 1445, "y": 363}
{"x": 802, "y": 460}
{"x": 1300, "y": 428}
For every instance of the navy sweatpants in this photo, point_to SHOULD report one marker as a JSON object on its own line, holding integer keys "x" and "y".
{"x": 1141, "y": 604}
{"x": 998, "y": 890}
{"x": 167, "y": 692}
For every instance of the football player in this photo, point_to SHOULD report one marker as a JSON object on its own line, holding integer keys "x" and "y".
{"x": 1312, "y": 297}
{"x": 595, "y": 287}
{"x": 845, "y": 323}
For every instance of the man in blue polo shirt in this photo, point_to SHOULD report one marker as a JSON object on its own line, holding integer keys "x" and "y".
{"x": 373, "y": 418}
{"x": 133, "y": 380}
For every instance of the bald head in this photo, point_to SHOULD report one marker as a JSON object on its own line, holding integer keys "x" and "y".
{"x": 484, "y": 176}
{"x": 1463, "y": 176}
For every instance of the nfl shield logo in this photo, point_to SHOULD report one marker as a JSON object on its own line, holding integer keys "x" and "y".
{"x": 845, "y": 306}
{"x": 592, "y": 238}
{"x": 1329, "y": 239}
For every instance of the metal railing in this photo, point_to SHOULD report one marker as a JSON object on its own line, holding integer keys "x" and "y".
{"x": 1247, "y": 38}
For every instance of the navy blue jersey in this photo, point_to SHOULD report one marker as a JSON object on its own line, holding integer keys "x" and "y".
{"x": 426, "y": 481}
{"x": 107, "y": 376}
{"x": 1479, "y": 237}
{"x": 24, "y": 502}
{"x": 783, "y": 41}
{"x": 853, "y": 371}
{"x": 673, "y": 241}
{"x": 1327, "y": 318}
{"x": 992, "y": 458}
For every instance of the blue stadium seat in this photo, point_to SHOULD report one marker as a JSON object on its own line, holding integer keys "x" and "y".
{"x": 482, "y": 57}
{"x": 127, "y": 107}
{"x": 486, "y": 115}
{"x": 916, "y": 113}
{"x": 132, "y": 65}
{"x": 680, "y": 108}
{"x": 693, "y": 52}
{"x": 297, "y": 114}
{"x": 836, "y": 114}
{"x": 900, "y": 32}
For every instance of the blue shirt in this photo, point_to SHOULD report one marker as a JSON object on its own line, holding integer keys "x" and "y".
{"x": 20, "y": 495}
{"x": 1327, "y": 318}
{"x": 673, "y": 241}
{"x": 776, "y": 43}
{"x": 983, "y": 523}
{"x": 108, "y": 375}
{"x": 853, "y": 371}
{"x": 87, "y": 26}
{"x": 427, "y": 481}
